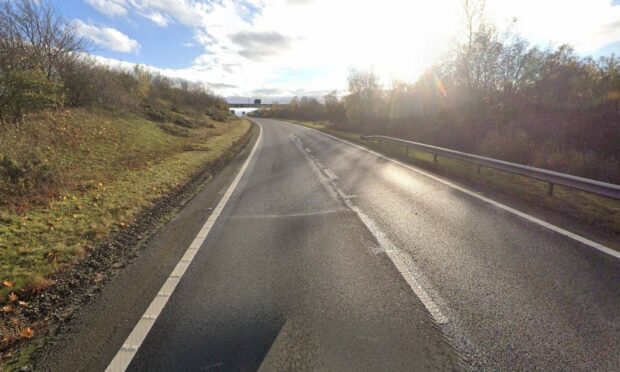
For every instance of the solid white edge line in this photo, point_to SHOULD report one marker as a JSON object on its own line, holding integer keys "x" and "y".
{"x": 130, "y": 347}
{"x": 524, "y": 215}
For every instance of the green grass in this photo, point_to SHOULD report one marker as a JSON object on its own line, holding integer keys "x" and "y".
{"x": 111, "y": 167}
{"x": 588, "y": 208}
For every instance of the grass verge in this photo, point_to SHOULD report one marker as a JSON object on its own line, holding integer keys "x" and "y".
{"x": 587, "y": 208}
{"x": 110, "y": 166}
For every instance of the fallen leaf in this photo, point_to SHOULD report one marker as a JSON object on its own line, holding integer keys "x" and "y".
{"x": 13, "y": 297}
{"x": 7, "y": 283}
{"x": 23, "y": 303}
{"x": 6, "y": 308}
{"x": 27, "y": 332}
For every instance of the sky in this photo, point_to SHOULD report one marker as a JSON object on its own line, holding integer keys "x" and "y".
{"x": 276, "y": 49}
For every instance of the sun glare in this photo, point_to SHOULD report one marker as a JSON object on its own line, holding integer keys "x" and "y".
{"x": 398, "y": 39}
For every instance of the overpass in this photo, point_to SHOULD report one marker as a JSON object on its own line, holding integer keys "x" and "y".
{"x": 256, "y": 104}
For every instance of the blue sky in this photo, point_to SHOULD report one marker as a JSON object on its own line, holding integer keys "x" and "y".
{"x": 281, "y": 48}
{"x": 165, "y": 47}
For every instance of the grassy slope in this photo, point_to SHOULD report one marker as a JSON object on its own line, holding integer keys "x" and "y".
{"x": 591, "y": 209}
{"x": 111, "y": 166}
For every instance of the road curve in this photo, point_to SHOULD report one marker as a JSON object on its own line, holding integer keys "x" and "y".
{"x": 330, "y": 257}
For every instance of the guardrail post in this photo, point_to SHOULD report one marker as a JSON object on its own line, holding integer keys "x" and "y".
{"x": 551, "y": 178}
{"x": 550, "y": 189}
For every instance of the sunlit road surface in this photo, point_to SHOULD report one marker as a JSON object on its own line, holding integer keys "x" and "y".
{"x": 329, "y": 257}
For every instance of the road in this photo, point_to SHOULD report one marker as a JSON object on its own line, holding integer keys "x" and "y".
{"x": 327, "y": 256}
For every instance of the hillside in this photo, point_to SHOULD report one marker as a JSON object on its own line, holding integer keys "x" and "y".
{"x": 70, "y": 178}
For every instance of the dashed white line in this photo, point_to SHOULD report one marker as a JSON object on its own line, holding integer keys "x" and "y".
{"x": 291, "y": 215}
{"x": 124, "y": 356}
{"x": 557, "y": 229}
{"x": 330, "y": 174}
{"x": 403, "y": 262}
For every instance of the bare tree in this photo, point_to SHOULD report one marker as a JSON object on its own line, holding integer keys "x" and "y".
{"x": 364, "y": 97}
{"x": 36, "y": 44}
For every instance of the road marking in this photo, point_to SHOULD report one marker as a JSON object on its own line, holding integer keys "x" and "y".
{"x": 306, "y": 214}
{"x": 402, "y": 261}
{"x": 404, "y": 264}
{"x": 523, "y": 215}
{"x": 330, "y": 174}
{"x": 124, "y": 356}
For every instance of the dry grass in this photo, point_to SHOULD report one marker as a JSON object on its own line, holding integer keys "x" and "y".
{"x": 109, "y": 166}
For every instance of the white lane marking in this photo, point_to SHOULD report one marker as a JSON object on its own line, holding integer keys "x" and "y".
{"x": 307, "y": 214}
{"x": 404, "y": 264}
{"x": 403, "y": 261}
{"x": 331, "y": 175}
{"x": 524, "y": 215}
{"x": 124, "y": 356}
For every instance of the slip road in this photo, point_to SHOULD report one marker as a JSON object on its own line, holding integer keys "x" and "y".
{"x": 327, "y": 256}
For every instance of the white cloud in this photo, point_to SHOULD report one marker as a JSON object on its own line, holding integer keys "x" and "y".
{"x": 109, "y": 7}
{"x": 586, "y": 24}
{"x": 296, "y": 46}
{"x": 158, "y": 19}
{"x": 107, "y": 37}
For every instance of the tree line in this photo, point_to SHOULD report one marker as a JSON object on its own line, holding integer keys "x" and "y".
{"x": 495, "y": 95}
{"x": 44, "y": 65}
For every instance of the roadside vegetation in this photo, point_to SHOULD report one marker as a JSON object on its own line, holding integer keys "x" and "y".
{"x": 84, "y": 148}
{"x": 495, "y": 95}
{"x": 593, "y": 210}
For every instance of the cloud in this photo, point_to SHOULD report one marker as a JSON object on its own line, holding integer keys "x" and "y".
{"x": 107, "y": 37}
{"x": 248, "y": 10}
{"x": 268, "y": 91}
{"x": 315, "y": 41}
{"x": 186, "y": 12}
{"x": 258, "y": 45}
{"x": 221, "y": 85}
{"x": 109, "y": 7}
{"x": 157, "y": 18}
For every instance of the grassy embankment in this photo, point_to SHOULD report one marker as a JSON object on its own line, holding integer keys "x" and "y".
{"x": 106, "y": 168}
{"x": 585, "y": 207}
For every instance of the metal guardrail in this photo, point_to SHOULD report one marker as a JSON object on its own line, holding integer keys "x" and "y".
{"x": 609, "y": 190}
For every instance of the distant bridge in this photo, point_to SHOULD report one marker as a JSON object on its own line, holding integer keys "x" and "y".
{"x": 257, "y": 104}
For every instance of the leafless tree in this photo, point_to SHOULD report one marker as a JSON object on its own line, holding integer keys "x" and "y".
{"x": 36, "y": 44}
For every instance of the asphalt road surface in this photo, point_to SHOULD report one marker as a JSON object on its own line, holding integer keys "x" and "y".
{"x": 329, "y": 257}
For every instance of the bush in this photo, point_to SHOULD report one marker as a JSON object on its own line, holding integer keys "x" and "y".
{"x": 218, "y": 115}
{"x": 183, "y": 121}
{"x": 174, "y": 130}
{"x": 514, "y": 146}
{"x": 23, "y": 178}
{"x": 35, "y": 45}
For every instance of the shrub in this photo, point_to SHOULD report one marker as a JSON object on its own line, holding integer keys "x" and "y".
{"x": 182, "y": 121}
{"x": 23, "y": 178}
{"x": 174, "y": 130}
{"x": 514, "y": 146}
{"x": 218, "y": 115}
